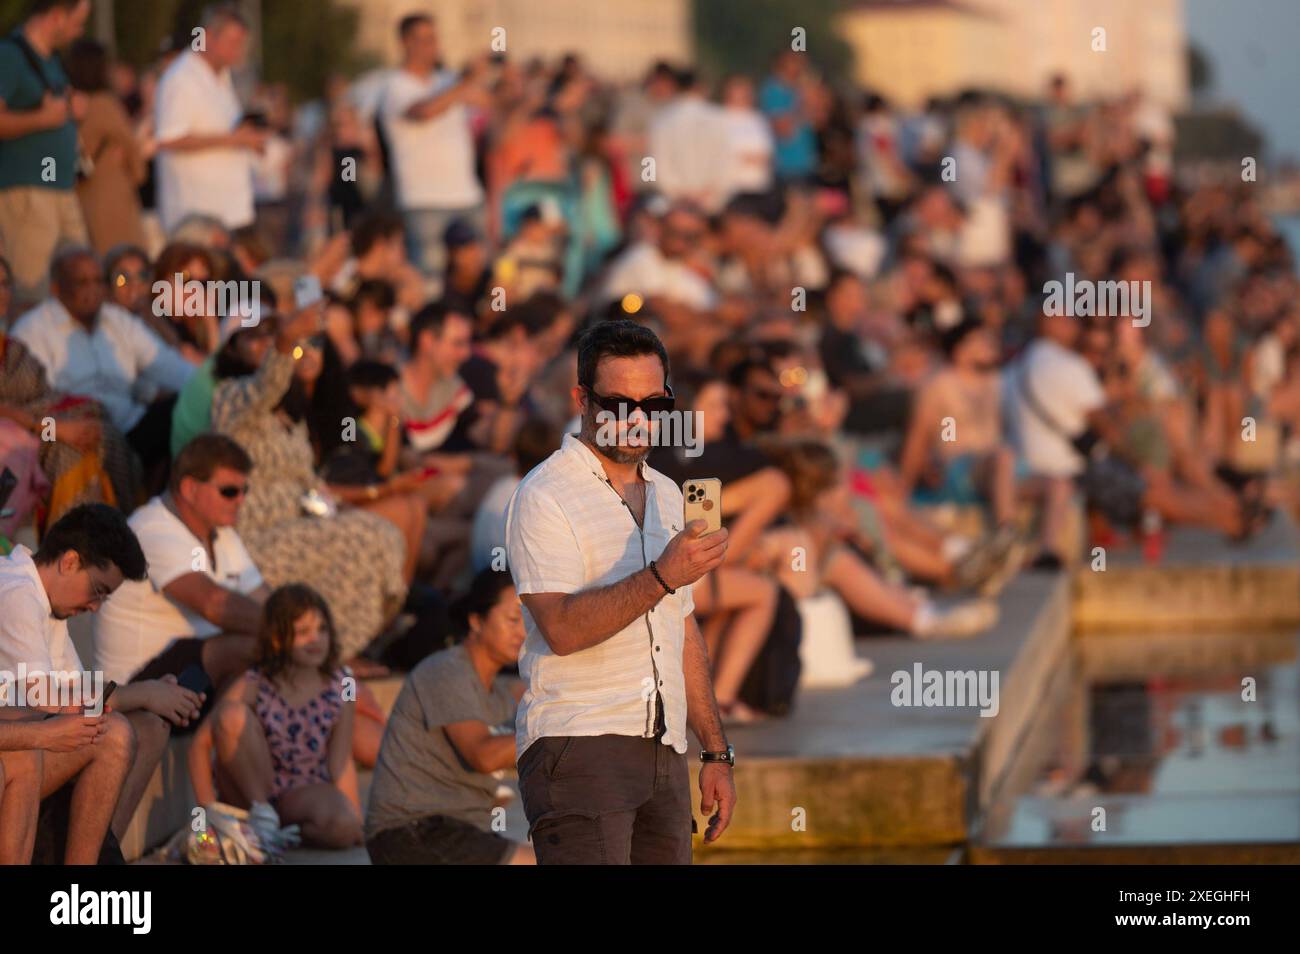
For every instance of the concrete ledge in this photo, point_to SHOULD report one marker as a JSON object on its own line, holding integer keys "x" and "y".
{"x": 869, "y": 773}
{"x": 1203, "y": 582}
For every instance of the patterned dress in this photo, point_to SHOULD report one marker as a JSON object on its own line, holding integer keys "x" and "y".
{"x": 76, "y": 477}
{"x": 353, "y": 559}
{"x": 298, "y": 737}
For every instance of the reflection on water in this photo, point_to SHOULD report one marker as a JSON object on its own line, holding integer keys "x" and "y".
{"x": 1159, "y": 740}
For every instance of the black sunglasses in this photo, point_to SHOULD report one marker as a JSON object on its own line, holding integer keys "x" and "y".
{"x": 649, "y": 406}
{"x": 231, "y": 491}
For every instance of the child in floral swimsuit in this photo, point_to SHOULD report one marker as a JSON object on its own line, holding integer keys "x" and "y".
{"x": 279, "y": 742}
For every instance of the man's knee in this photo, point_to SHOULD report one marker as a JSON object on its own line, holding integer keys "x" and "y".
{"x": 119, "y": 737}
{"x": 151, "y": 731}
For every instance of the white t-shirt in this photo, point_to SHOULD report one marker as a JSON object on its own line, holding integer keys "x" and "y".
{"x": 748, "y": 137}
{"x": 1065, "y": 386}
{"x": 28, "y": 633}
{"x": 193, "y": 100}
{"x": 689, "y": 142}
{"x": 433, "y": 159}
{"x": 644, "y": 270}
{"x": 139, "y": 621}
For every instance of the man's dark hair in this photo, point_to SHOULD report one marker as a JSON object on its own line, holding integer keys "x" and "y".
{"x": 951, "y": 338}
{"x": 541, "y": 311}
{"x": 201, "y": 457}
{"x": 410, "y": 22}
{"x": 432, "y": 317}
{"x": 377, "y": 292}
{"x": 372, "y": 229}
{"x": 219, "y": 15}
{"x": 739, "y": 374}
{"x": 61, "y": 263}
{"x": 619, "y": 338}
{"x": 688, "y": 384}
{"x": 371, "y": 375}
{"x": 41, "y": 7}
{"x": 536, "y": 440}
{"x": 100, "y": 537}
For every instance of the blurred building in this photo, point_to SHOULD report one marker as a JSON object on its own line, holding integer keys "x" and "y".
{"x": 617, "y": 39}
{"x": 909, "y": 50}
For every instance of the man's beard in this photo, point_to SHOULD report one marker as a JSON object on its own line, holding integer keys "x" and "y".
{"x": 618, "y": 453}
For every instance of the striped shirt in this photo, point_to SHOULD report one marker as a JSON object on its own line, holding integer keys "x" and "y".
{"x": 567, "y": 529}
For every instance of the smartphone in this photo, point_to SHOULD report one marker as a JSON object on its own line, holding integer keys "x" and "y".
{"x": 306, "y": 291}
{"x": 103, "y": 699}
{"x": 194, "y": 678}
{"x": 703, "y": 501}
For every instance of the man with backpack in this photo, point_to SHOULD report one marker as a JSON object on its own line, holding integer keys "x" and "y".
{"x": 38, "y": 144}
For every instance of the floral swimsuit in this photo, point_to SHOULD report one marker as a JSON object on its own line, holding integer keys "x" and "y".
{"x": 297, "y": 736}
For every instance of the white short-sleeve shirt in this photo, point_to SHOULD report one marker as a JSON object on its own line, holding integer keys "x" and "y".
{"x": 195, "y": 100}
{"x": 29, "y": 634}
{"x": 1067, "y": 389}
{"x": 113, "y": 363}
{"x": 567, "y": 529}
{"x": 433, "y": 159}
{"x": 139, "y": 620}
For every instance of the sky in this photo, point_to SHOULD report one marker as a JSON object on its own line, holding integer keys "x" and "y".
{"x": 1254, "y": 50}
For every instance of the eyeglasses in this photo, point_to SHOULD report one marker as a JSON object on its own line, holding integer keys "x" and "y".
{"x": 99, "y": 593}
{"x": 614, "y": 403}
{"x": 231, "y": 491}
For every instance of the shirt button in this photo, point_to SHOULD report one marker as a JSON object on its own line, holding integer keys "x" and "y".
{"x": 656, "y": 649}
{"x": 661, "y": 682}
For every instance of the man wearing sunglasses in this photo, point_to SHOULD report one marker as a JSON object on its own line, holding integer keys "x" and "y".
{"x": 196, "y": 612}
{"x": 613, "y": 662}
{"x": 76, "y": 763}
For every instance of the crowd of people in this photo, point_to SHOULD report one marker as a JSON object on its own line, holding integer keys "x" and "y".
{"x": 285, "y": 492}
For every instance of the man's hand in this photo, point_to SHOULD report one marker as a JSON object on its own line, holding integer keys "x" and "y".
{"x": 249, "y": 137}
{"x": 717, "y": 798}
{"x": 67, "y": 733}
{"x": 54, "y": 111}
{"x": 173, "y": 702}
{"x": 691, "y": 554}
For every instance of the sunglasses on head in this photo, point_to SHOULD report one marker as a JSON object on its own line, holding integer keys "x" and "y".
{"x": 659, "y": 403}
{"x": 231, "y": 491}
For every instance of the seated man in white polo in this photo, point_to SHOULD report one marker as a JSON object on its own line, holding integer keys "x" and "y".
{"x": 201, "y": 603}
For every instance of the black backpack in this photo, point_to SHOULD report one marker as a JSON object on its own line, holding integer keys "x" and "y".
{"x": 773, "y": 678}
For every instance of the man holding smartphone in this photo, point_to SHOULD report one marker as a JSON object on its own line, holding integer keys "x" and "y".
{"x": 75, "y": 760}
{"x": 614, "y": 663}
